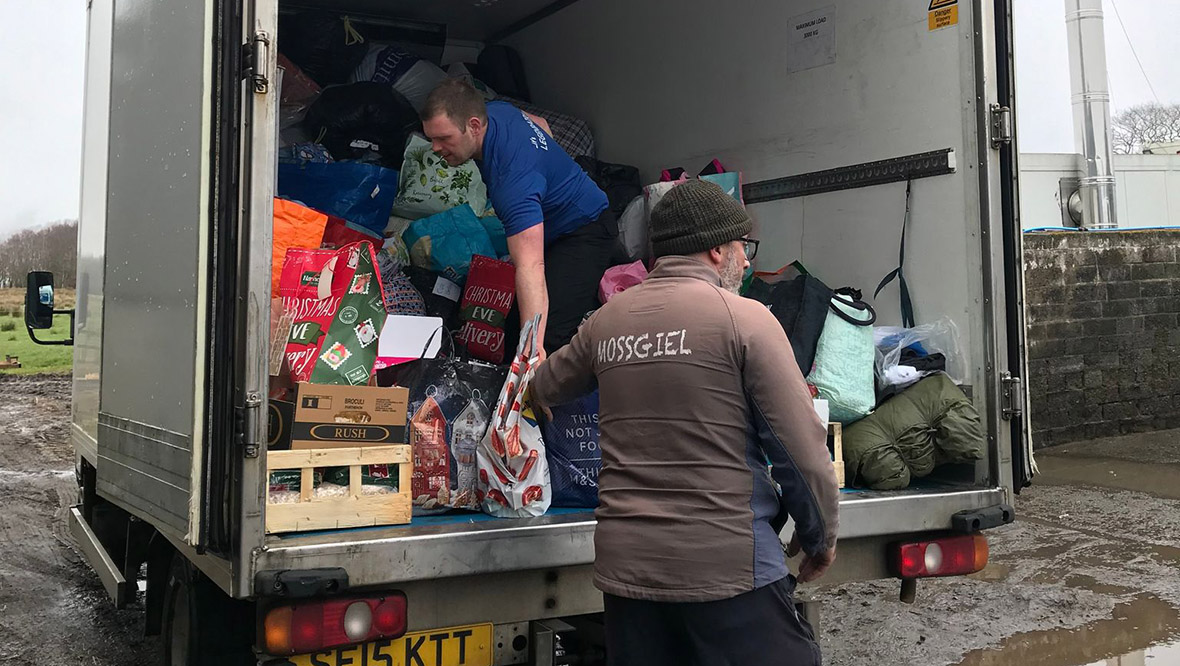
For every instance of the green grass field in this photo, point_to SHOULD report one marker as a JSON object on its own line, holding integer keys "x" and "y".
{"x": 34, "y": 358}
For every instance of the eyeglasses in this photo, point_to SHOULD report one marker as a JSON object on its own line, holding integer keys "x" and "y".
{"x": 750, "y": 246}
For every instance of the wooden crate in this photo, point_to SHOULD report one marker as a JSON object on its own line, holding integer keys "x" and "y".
{"x": 836, "y": 445}
{"x": 352, "y": 510}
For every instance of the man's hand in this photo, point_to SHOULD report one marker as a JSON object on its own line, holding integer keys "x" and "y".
{"x": 812, "y": 567}
{"x": 540, "y": 407}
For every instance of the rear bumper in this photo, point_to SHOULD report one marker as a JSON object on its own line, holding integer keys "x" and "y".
{"x": 387, "y": 556}
{"x": 872, "y": 513}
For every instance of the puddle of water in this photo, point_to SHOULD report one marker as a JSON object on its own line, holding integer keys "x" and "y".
{"x": 1151, "y": 478}
{"x": 992, "y": 573}
{"x": 1046, "y": 552}
{"x": 1163, "y": 655}
{"x": 1146, "y": 621}
{"x": 1092, "y": 584}
{"x": 13, "y": 474}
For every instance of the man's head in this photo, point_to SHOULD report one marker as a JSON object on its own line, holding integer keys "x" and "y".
{"x": 699, "y": 219}
{"x": 455, "y": 119}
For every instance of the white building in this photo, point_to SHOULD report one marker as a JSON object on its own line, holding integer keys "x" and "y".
{"x": 1147, "y": 190}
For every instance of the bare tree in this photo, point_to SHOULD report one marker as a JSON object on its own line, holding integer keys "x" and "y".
{"x": 53, "y": 248}
{"x": 1143, "y": 125}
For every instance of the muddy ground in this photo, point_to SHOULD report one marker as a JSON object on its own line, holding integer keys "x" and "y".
{"x": 53, "y": 610}
{"x": 1090, "y": 572}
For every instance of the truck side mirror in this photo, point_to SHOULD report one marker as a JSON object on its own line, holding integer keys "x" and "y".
{"x": 39, "y": 309}
{"x": 39, "y": 300}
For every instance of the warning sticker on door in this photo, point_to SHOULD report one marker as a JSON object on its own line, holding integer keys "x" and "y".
{"x": 942, "y": 14}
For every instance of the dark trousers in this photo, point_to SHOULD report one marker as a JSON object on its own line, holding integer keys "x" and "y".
{"x": 574, "y": 264}
{"x": 759, "y": 628}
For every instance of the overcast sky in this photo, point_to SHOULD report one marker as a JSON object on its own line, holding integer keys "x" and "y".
{"x": 42, "y": 46}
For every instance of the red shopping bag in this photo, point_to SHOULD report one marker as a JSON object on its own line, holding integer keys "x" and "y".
{"x": 314, "y": 286}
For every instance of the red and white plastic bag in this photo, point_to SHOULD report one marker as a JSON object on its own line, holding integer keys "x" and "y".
{"x": 513, "y": 468}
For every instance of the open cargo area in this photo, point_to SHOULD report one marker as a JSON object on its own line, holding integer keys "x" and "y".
{"x": 839, "y": 143}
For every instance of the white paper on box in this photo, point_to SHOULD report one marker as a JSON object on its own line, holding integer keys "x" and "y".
{"x": 821, "y": 408}
{"x": 404, "y": 337}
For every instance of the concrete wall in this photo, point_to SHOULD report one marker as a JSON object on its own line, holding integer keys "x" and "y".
{"x": 1148, "y": 189}
{"x": 1103, "y": 335}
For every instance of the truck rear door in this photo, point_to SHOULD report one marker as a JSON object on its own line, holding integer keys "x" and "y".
{"x": 158, "y": 287}
{"x": 1016, "y": 408}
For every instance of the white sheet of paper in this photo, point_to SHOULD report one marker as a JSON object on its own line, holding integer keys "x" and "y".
{"x": 404, "y": 337}
{"x": 811, "y": 39}
{"x": 821, "y": 408}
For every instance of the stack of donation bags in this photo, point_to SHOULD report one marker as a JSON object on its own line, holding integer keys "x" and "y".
{"x": 391, "y": 282}
{"x": 896, "y": 390}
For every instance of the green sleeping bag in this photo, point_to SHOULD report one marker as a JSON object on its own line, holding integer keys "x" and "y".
{"x": 931, "y": 423}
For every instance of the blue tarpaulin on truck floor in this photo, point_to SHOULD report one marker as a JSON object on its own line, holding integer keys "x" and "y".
{"x": 452, "y": 518}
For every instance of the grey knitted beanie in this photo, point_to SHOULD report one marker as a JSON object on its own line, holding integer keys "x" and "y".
{"x": 694, "y": 217}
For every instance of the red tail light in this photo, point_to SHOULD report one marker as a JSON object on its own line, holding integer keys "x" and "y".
{"x": 313, "y": 626}
{"x": 952, "y": 556}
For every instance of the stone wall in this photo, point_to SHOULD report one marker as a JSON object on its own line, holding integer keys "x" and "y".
{"x": 1103, "y": 335}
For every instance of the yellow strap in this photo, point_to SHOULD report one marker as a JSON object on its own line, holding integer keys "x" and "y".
{"x": 351, "y": 36}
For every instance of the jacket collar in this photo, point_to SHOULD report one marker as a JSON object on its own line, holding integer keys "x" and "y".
{"x": 675, "y": 266}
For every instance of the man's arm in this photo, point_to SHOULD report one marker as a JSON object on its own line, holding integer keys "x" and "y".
{"x": 792, "y": 435}
{"x": 527, "y": 249}
{"x": 539, "y": 122}
{"x": 569, "y": 373}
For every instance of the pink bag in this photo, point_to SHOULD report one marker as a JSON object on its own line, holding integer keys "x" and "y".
{"x": 618, "y": 279}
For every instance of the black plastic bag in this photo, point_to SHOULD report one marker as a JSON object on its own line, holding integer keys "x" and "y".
{"x": 323, "y": 44}
{"x": 801, "y": 306}
{"x": 441, "y": 295}
{"x": 501, "y": 69}
{"x": 364, "y": 122}
{"x": 461, "y": 394}
{"x": 620, "y": 182}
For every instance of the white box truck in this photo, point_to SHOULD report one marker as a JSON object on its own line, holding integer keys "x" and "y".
{"x": 831, "y": 108}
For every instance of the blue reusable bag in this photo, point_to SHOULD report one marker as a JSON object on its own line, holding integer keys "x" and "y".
{"x": 571, "y": 444}
{"x": 359, "y": 193}
{"x": 444, "y": 243}
{"x": 729, "y": 182}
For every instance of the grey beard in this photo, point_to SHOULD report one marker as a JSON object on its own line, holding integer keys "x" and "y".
{"x": 732, "y": 274}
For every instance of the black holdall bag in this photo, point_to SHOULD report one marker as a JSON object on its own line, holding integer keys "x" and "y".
{"x": 500, "y": 67}
{"x": 620, "y": 182}
{"x": 802, "y": 305}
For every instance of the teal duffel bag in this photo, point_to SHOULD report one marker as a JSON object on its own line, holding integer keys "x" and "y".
{"x": 844, "y": 357}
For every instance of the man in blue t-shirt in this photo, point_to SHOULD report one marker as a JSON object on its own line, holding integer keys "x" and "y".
{"x": 560, "y": 229}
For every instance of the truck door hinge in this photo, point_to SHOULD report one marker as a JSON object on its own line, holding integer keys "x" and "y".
{"x": 1011, "y": 396}
{"x": 246, "y": 428}
{"x": 255, "y": 58}
{"x": 1001, "y": 117}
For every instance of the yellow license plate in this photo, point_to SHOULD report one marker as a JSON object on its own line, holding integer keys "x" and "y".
{"x": 455, "y": 646}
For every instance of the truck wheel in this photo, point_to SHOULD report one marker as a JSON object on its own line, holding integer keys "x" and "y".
{"x": 202, "y": 626}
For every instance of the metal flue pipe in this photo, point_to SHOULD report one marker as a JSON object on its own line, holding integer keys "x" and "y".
{"x": 1091, "y": 112}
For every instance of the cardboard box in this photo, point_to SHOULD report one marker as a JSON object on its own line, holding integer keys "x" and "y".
{"x": 334, "y": 417}
{"x": 280, "y": 416}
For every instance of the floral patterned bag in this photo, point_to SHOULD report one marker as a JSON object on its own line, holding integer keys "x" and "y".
{"x": 430, "y": 186}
